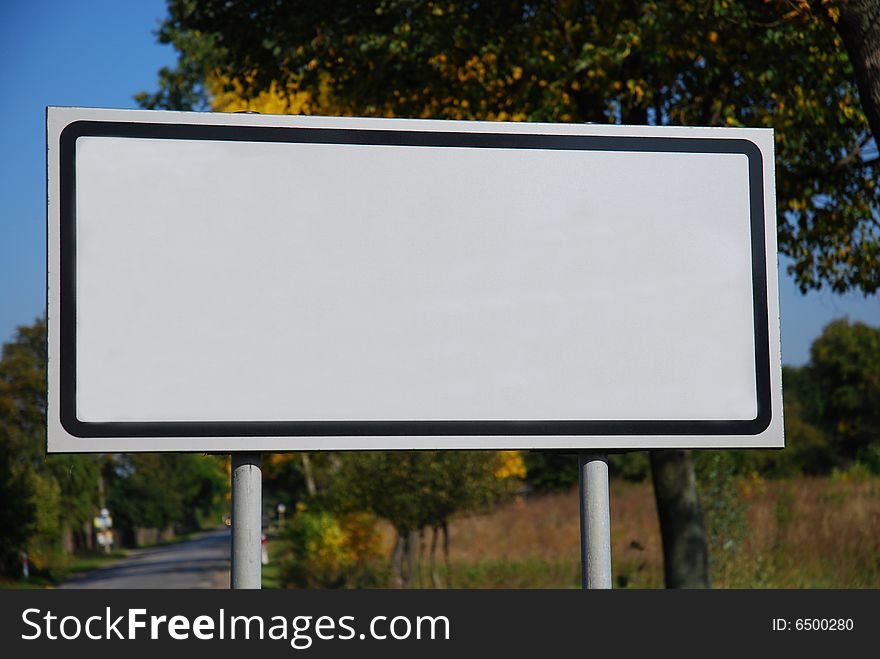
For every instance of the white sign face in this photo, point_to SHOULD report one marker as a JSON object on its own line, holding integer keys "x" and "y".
{"x": 229, "y": 282}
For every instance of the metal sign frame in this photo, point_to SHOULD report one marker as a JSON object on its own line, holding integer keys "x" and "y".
{"x": 67, "y": 433}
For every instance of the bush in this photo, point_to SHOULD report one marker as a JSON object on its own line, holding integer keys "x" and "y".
{"x": 723, "y": 506}
{"x": 326, "y": 551}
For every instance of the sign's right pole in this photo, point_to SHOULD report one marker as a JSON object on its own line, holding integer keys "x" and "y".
{"x": 595, "y": 521}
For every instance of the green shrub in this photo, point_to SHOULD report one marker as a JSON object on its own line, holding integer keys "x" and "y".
{"x": 326, "y": 551}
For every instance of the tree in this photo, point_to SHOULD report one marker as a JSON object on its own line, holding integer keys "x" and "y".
{"x": 39, "y": 496}
{"x": 858, "y": 23}
{"x": 45, "y": 497}
{"x": 547, "y": 471}
{"x": 776, "y": 64}
{"x": 158, "y": 490}
{"x": 415, "y": 490}
{"x": 845, "y": 367}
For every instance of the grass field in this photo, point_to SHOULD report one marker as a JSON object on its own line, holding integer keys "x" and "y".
{"x": 796, "y": 533}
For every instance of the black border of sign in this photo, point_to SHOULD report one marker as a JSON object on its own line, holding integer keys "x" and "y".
{"x": 412, "y": 138}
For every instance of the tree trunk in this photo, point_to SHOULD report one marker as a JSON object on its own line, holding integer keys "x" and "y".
{"x": 685, "y": 547}
{"x": 307, "y": 472}
{"x": 435, "y": 576}
{"x": 859, "y": 27}
{"x": 397, "y": 562}
{"x": 422, "y": 545}
{"x": 412, "y": 559}
{"x": 445, "y": 528}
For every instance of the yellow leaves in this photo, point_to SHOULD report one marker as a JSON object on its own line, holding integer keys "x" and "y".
{"x": 506, "y": 116}
{"x": 329, "y": 547}
{"x": 636, "y": 88}
{"x": 801, "y": 8}
{"x": 510, "y": 465}
{"x": 277, "y": 459}
{"x": 846, "y": 108}
{"x": 517, "y": 72}
{"x": 752, "y": 485}
{"x": 280, "y": 98}
{"x": 712, "y": 36}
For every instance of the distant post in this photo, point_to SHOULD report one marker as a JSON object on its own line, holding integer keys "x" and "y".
{"x": 281, "y": 510}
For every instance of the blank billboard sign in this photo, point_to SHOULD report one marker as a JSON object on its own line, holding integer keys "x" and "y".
{"x": 239, "y": 282}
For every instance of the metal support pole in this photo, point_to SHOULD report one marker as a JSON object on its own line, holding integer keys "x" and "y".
{"x": 247, "y": 483}
{"x": 595, "y": 521}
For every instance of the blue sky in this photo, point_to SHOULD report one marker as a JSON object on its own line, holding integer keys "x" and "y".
{"x": 99, "y": 53}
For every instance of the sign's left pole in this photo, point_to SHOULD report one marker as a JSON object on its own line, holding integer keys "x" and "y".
{"x": 247, "y": 484}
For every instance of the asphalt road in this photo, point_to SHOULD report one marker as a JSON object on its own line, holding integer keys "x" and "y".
{"x": 199, "y": 563}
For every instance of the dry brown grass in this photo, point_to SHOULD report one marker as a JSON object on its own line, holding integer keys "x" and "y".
{"x": 546, "y": 528}
{"x": 799, "y": 533}
{"x": 809, "y": 532}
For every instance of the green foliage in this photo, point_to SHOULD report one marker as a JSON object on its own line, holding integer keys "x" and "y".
{"x": 799, "y": 384}
{"x": 159, "y": 490}
{"x": 831, "y": 408}
{"x": 633, "y": 466}
{"x": 679, "y": 62}
{"x": 845, "y": 365}
{"x": 723, "y": 508}
{"x": 550, "y": 471}
{"x": 41, "y": 496}
{"x": 182, "y": 87}
{"x": 38, "y": 495}
{"x": 808, "y": 450}
{"x": 415, "y": 489}
{"x": 17, "y": 509}
{"x": 528, "y": 573}
{"x": 553, "y": 471}
{"x": 329, "y": 551}
{"x": 286, "y": 476}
